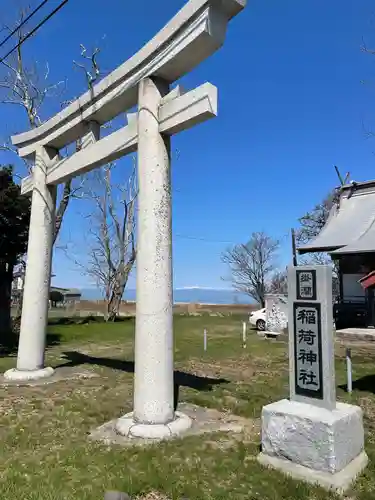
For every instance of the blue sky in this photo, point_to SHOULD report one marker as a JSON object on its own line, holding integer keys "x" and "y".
{"x": 296, "y": 97}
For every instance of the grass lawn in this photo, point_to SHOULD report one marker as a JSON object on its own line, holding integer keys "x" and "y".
{"x": 45, "y": 453}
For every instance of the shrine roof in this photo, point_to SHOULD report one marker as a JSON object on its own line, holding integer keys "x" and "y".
{"x": 350, "y": 227}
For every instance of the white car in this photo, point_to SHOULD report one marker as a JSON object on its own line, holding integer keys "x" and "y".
{"x": 258, "y": 319}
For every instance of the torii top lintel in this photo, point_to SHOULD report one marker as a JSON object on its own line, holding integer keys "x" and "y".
{"x": 191, "y": 36}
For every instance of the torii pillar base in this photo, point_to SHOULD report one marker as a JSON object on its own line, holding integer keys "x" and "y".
{"x": 127, "y": 426}
{"x": 14, "y": 375}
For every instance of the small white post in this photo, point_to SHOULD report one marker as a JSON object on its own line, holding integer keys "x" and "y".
{"x": 349, "y": 383}
{"x": 244, "y": 334}
{"x": 205, "y": 340}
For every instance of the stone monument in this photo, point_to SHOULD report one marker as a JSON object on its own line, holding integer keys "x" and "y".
{"x": 196, "y": 32}
{"x": 276, "y": 313}
{"x": 311, "y": 436}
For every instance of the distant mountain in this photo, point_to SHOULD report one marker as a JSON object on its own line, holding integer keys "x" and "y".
{"x": 187, "y": 295}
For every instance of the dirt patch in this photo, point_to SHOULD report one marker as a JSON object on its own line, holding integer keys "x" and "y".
{"x": 363, "y": 349}
{"x": 153, "y": 496}
{"x": 204, "y": 421}
{"x": 62, "y": 373}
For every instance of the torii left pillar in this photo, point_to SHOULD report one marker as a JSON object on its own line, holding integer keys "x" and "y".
{"x": 31, "y": 348}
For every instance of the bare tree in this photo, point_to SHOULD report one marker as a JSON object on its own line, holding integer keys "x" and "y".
{"x": 92, "y": 73}
{"x": 278, "y": 283}
{"x": 252, "y": 265}
{"x": 111, "y": 247}
{"x": 113, "y": 254}
{"x": 26, "y": 85}
{"x": 312, "y": 223}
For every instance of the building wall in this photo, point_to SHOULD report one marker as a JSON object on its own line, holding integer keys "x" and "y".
{"x": 357, "y": 263}
{"x": 352, "y": 268}
{"x": 351, "y": 289}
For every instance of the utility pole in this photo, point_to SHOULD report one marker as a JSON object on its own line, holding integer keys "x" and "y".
{"x": 294, "y": 251}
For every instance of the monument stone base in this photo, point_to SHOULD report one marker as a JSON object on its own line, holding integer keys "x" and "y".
{"x": 314, "y": 444}
{"x": 15, "y": 375}
{"x": 128, "y": 427}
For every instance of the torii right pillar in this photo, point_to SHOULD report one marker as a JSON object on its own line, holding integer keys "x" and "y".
{"x": 153, "y": 416}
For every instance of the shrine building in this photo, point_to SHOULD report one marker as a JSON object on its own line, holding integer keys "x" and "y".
{"x": 349, "y": 237}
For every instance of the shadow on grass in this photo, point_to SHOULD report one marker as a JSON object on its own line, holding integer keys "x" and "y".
{"x": 84, "y": 320}
{"x": 9, "y": 342}
{"x": 181, "y": 379}
{"x": 365, "y": 384}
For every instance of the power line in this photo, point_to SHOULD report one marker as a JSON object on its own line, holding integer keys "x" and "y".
{"x": 206, "y": 240}
{"x": 23, "y": 22}
{"x": 47, "y": 18}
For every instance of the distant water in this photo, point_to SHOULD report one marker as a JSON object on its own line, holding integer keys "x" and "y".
{"x": 186, "y": 295}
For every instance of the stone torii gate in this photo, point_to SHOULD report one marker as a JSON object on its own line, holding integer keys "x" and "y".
{"x": 196, "y": 31}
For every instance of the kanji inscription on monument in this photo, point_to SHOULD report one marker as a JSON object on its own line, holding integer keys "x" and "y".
{"x": 311, "y": 341}
{"x": 306, "y": 284}
{"x": 308, "y": 350}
